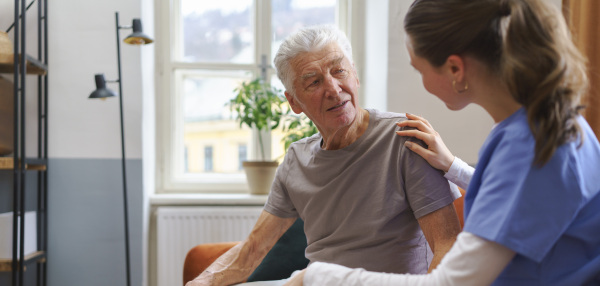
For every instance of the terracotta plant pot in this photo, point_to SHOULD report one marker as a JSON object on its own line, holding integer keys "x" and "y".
{"x": 260, "y": 175}
{"x": 6, "y": 117}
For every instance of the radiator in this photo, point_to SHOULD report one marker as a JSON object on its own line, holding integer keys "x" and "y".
{"x": 181, "y": 228}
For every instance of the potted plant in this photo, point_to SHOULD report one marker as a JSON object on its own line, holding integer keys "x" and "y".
{"x": 258, "y": 105}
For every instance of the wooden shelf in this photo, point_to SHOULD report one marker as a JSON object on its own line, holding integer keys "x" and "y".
{"x": 33, "y": 66}
{"x": 7, "y": 163}
{"x": 39, "y": 256}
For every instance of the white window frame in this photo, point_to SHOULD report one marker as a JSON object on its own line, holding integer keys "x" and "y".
{"x": 166, "y": 102}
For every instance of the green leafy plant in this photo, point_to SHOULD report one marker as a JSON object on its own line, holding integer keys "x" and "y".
{"x": 258, "y": 104}
{"x": 297, "y": 127}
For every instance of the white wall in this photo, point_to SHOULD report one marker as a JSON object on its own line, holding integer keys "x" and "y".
{"x": 82, "y": 43}
{"x": 463, "y": 131}
{"x": 375, "y": 75}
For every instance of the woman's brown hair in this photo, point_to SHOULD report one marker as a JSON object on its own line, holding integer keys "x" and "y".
{"x": 525, "y": 42}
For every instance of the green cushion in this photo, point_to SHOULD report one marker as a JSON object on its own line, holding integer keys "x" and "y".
{"x": 286, "y": 256}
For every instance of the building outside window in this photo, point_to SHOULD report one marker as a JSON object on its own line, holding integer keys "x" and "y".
{"x": 207, "y": 48}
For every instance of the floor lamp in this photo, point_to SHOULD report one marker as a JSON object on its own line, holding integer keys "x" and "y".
{"x": 136, "y": 38}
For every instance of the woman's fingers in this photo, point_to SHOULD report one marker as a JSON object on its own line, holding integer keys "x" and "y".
{"x": 425, "y": 153}
{"x": 416, "y": 124}
{"x": 436, "y": 153}
{"x": 419, "y": 118}
{"x": 425, "y": 137}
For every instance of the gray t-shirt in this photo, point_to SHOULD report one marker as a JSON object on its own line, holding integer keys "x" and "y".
{"x": 360, "y": 203}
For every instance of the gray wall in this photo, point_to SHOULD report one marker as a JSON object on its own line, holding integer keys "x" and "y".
{"x": 86, "y": 235}
{"x": 86, "y": 241}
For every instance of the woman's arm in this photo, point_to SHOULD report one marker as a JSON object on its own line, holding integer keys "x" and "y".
{"x": 460, "y": 173}
{"x": 471, "y": 261}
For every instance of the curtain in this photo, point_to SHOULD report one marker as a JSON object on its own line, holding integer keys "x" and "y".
{"x": 583, "y": 18}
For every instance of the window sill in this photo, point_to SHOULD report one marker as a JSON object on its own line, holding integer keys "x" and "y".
{"x": 207, "y": 199}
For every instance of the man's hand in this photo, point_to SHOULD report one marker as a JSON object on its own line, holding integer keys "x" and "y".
{"x": 296, "y": 280}
{"x": 203, "y": 280}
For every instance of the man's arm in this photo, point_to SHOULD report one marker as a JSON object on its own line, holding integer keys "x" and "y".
{"x": 440, "y": 228}
{"x": 235, "y": 265}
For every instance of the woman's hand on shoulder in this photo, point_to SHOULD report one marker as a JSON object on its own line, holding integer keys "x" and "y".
{"x": 436, "y": 154}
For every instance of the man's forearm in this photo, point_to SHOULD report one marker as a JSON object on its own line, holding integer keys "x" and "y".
{"x": 238, "y": 263}
{"x": 232, "y": 267}
{"x": 440, "y": 228}
{"x": 438, "y": 254}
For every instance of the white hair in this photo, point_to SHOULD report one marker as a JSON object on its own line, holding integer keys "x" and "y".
{"x": 308, "y": 39}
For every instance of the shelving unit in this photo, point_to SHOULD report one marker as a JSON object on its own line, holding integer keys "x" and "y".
{"x": 25, "y": 166}
{"x": 33, "y": 66}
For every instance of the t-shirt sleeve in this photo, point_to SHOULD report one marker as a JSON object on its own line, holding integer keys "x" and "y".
{"x": 279, "y": 203}
{"x": 519, "y": 205}
{"x": 426, "y": 188}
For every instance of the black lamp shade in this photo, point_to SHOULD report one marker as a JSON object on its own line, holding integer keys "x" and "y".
{"x": 101, "y": 90}
{"x": 138, "y": 37}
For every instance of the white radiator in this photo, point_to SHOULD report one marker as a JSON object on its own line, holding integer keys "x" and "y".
{"x": 181, "y": 228}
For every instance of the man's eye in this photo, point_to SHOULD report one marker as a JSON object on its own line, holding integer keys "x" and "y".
{"x": 340, "y": 70}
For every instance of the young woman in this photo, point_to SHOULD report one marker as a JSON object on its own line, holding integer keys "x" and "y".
{"x": 531, "y": 208}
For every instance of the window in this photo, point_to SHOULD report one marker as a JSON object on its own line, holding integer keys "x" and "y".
{"x": 186, "y": 163}
{"x": 208, "y": 159}
{"x": 206, "y": 49}
{"x": 242, "y": 155}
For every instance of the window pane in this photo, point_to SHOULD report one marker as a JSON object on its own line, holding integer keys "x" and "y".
{"x": 210, "y": 134}
{"x": 216, "y": 31}
{"x": 290, "y": 15}
{"x": 242, "y": 156}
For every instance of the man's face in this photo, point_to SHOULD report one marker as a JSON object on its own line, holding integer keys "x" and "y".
{"x": 326, "y": 88}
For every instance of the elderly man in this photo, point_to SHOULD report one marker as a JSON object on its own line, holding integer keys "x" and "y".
{"x": 365, "y": 199}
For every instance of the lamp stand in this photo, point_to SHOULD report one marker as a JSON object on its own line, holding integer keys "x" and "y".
{"x": 125, "y": 204}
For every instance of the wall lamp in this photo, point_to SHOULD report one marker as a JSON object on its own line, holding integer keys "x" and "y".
{"x": 101, "y": 92}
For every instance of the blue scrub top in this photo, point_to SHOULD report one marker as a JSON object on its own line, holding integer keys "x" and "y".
{"x": 549, "y": 215}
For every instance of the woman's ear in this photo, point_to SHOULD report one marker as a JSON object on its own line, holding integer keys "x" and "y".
{"x": 455, "y": 65}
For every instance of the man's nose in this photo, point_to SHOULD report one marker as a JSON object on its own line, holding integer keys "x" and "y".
{"x": 332, "y": 86}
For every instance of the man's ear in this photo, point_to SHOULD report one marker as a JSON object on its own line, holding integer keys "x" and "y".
{"x": 293, "y": 103}
{"x": 455, "y": 65}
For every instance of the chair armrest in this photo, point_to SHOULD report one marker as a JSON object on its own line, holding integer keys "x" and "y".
{"x": 459, "y": 205}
